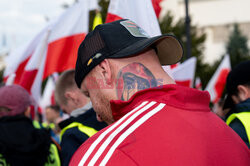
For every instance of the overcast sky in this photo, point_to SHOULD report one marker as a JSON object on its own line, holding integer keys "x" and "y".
{"x": 20, "y": 20}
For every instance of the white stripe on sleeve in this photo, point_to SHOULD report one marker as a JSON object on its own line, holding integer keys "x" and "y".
{"x": 117, "y": 131}
{"x": 99, "y": 139}
{"x": 129, "y": 131}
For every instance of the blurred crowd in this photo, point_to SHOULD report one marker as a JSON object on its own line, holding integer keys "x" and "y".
{"x": 53, "y": 138}
{"x": 52, "y": 141}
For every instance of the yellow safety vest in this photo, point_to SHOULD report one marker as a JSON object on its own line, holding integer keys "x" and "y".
{"x": 85, "y": 129}
{"x": 244, "y": 117}
{"x": 52, "y": 160}
{"x": 3, "y": 161}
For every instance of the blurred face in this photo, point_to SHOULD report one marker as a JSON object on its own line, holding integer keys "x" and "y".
{"x": 75, "y": 99}
{"x": 66, "y": 108}
{"x": 92, "y": 87}
{"x": 51, "y": 115}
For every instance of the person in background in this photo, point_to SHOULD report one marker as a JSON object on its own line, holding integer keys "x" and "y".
{"x": 82, "y": 123}
{"x": 20, "y": 142}
{"x": 52, "y": 113}
{"x": 218, "y": 109}
{"x": 152, "y": 121}
{"x": 53, "y": 117}
{"x": 238, "y": 100}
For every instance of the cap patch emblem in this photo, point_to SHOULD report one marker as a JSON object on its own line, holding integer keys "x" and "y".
{"x": 134, "y": 29}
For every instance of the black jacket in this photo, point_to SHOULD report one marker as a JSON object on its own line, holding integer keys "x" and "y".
{"x": 21, "y": 143}
{"x": 73, "y": 138}
{"x": 236, "y": 124}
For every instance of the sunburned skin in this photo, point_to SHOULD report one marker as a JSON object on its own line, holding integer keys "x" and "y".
{"x": 133, "y": 78}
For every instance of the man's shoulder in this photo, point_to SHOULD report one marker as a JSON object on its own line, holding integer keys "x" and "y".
{"x": 74, "y": 134}
{"x": 149, "y": 123}
{"x": 65, "y": 122}
{"x": 83, "y": 149}
{"x": 239, "y": 128}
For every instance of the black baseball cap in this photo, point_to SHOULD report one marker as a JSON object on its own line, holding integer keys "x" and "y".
{"x": 119, "y": 39}
{"x": 239, "y": 75}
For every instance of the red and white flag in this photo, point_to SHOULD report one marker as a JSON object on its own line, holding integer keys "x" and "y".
{"x": 217, "y": 83}
{"x": 54, "y": 49}
{"x": 184, "y": 73}
{"x": 139, "y": 11}
{"x": 48, "y": 93}
{"x": 198, "y": 84}
{"x": 157, "y": 7}
{"x": 66, "y": 35}
{"x": 31, "y": 78}
{"x": 18, "y": 59}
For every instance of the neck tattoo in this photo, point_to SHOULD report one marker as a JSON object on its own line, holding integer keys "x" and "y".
{"x": 133, "y": 78}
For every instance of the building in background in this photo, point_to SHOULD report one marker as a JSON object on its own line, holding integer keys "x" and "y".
{"x": 214, "y": 17}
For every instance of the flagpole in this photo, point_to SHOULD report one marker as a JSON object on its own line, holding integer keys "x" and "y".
{"x": 188, "y": 37}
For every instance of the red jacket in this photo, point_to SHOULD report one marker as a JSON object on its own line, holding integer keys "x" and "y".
{"x": 171, "y": 125}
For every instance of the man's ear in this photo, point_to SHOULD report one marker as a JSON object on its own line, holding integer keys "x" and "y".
{"x": 243, "y": 92}
{"x": 69, "y": 95}
{"x": 105, "y": 70}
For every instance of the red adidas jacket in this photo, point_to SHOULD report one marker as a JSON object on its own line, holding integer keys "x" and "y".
{"x": 171, "y": 125}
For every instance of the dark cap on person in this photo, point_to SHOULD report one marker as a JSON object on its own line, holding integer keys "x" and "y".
{"x": 120, "y": 39}
{"x": 239, "y": 75}
{"x": 14, "y": 98}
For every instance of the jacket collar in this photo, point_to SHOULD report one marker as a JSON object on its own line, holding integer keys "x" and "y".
{"x": 80, "y": 118}
{"x": 171, "y": 94}
{"x": 243, "y": 106}
{"x": 82, "y": 110}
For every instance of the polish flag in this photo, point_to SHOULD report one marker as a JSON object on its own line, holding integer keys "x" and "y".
{"x": 18, "y": 59}
{"x": 174, "y": 65}
{"x": 48, "y": 93}
{"x": 217, "y": 83}
{"x": 54, "y": 49}
{"x": 184, "y": 73}
{"x": 31, "y": 78}
{"x": 139, "y": 11}
{"x": 198, "y": 84}
{"x": 157, "y": 7}
{"x": 66, "y": 35}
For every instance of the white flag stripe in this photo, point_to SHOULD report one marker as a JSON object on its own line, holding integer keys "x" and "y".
{"x": 225, "y": 64}
{"x": 11, "y": 79}
{"x": 39, "y": 53}
{"x": 98, "y": 140}
{"x": 37, "y": 84}
{"x": 129, "y": 131}
{"x": 117, "y": 131}
{"x": 185, "y": 71}
{"x": 20, "y": 54}
{"x": 47, "y": 93}
{"x": 37, "y": 62}
{"x": 139, "y": 11}
{"x": 68, "y": 23}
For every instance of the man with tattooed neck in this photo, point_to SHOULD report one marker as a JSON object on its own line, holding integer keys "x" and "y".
{"x": 152, "y": 121}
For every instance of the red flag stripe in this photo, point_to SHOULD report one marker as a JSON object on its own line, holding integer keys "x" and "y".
{"x": 19, "y": 71}
{"x": 62, "y": 54}
{"x": 220, "y": 84}
{"x": 157, "y": 7}
{"x": 174, "y": 65}
{"x": 27, "y": 79}
{"x": 186, "y": 83}
{"x": 112, "y": 17}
